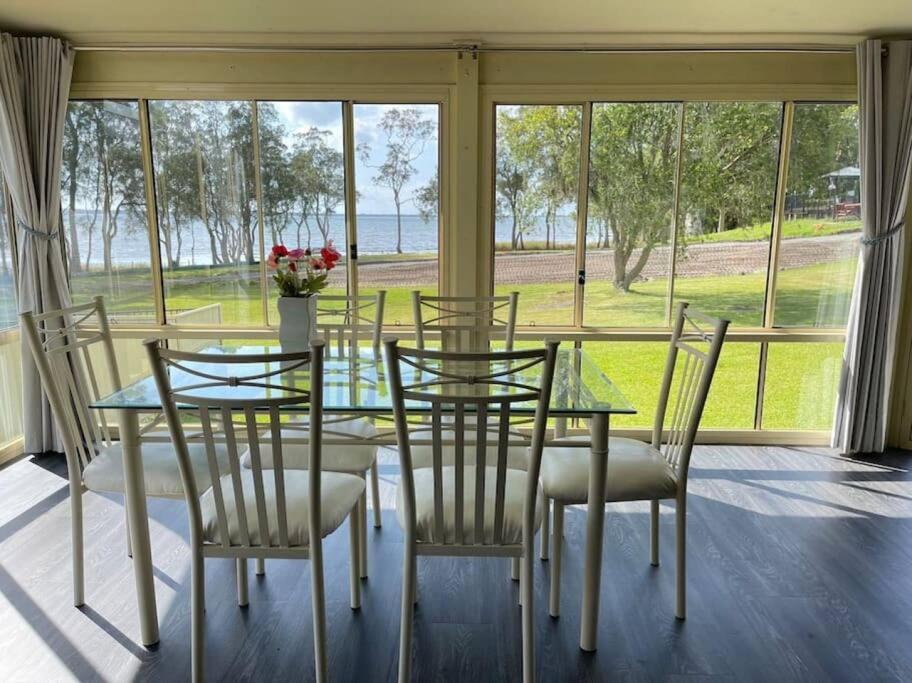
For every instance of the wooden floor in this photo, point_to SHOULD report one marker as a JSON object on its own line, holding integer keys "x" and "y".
{"x": 800, "y": 569}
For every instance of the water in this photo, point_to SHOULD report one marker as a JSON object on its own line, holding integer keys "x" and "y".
{"x": 376, "y": 235}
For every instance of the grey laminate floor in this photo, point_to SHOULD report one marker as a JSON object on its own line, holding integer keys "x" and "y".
{"x": 800, "y": 569}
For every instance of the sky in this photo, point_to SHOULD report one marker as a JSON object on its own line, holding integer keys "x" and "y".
{"x": 300, "y": 116}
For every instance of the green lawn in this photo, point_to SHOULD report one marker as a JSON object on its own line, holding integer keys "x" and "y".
{"x": 802, "y": 227}
{"x": 801, "y": 378}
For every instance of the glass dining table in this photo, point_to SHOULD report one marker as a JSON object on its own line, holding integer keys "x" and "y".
{"x": 355, "y": 385}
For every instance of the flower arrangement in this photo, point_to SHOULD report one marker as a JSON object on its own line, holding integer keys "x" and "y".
{"x": 301, "y": 272}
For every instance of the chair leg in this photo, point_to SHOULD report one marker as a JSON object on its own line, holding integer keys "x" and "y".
{"x": 654, "y": 533}
{"x": 354, "y": 539}
{"x": 319, "y": 609}
{"x": 127, "y": 529}
{"x": 408, "y": 613}
{"x": 241, "y": 571}
{"x": 77, "y": 542}
{"x": 197, "y": 606}
{"x": 545, "y": 527}
{"x": 375, "y": 495}
{"x": 526, "y": 589}
{"x": 557, "y": 537}
{"x": 514, "y": 568}
{"x": 681, "y": 557}
{"x": 260, "y": 566}
{"x": 362, "y": 515}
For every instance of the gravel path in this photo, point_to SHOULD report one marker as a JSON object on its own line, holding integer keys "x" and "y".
{"x": 698, "y": 260}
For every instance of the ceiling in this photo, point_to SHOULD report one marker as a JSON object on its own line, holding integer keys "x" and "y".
{"x": 405, "y": 22}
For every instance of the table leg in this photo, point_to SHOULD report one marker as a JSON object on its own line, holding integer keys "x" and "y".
{"x": 135, "y": 494}
{"x": 595, "y": 525}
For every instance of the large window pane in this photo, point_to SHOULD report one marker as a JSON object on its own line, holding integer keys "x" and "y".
{"x": 536, "y": 185}
{"x": 8, "y": 312}
{"x": 801, "y": 383}
{"x": 396, "y": 178}
{"x": 632, "y": 164}
{"x": 727, "y": 192}
{"x": 819, "y": 248}
{"x": 303, "y": 176}
{"x": 207, "y": 223}
{"x": 103, "y": 205}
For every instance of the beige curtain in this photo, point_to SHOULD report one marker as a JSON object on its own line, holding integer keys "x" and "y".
{"x": 885, "y": 152}
{"x": 34, "y": 87}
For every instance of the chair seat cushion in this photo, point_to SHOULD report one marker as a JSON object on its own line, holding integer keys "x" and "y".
{"x": 339, "y": 493}
{"x": 162, "y": 474}
{"x": 336, "y": 457}
{"x": 514, "y": 495}
{"x": 636, "y": 471}
{"x": 423, "y": 453}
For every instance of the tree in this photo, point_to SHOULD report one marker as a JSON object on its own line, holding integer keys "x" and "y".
{"x": 515, "y": 197}
{"x": 543, "y": 143}
{"x": 427, "y": 199}
{"x": 407, "y": 133}
{"x": 631, "y": 181}
{"x": 319, "y": 180}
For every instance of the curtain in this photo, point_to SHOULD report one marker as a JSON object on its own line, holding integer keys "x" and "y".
{"x": 885, "y": 154}
{"x": 34, "y": 87}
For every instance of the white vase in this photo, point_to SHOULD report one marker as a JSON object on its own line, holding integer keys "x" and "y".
{"x": 297, "y": 322}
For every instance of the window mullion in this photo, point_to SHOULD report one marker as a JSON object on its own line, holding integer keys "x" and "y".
{"x": 145, "y": 139}
{"x": 351, "y": 218}
{"x": 675, "y": 214}
{"x": 785, "y": 143}
{"x": 582, "y": 214}
{"x": 261, "y": 229}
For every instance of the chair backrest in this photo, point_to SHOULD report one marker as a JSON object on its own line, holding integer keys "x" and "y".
{"x": 347, "y": 319}
{"x": 698, "y": 338}
{"x": 470, "y": 383}
{"x": 221, "y": 388}
{"x": 465, "y": 323}
{"x": 62, "y": 343}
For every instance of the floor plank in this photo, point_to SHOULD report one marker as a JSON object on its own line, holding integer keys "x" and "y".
{"x": 798, "y": 570}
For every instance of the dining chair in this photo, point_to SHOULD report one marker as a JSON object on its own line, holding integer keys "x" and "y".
{"x": 66, "y": 345}
{"x": 477, "y": 506}
{"x": 638, "y": 470}
{"x": 256, "y": 512}
{"x": 344, "y": 321}
{"x": 465, "y": 323}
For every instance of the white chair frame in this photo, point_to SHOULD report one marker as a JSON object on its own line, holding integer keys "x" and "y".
{"x": 351, "y": 320}
{"x": 695, "y": 379}
{"x": 460, "y": 391}
{"x": 62, "y": 356}
{"x": 160, "y": 360}
{"x": 471, "y": 320}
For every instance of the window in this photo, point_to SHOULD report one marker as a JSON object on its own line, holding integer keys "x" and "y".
{"x": 801, "y": 384}
{"x": 818, "y": 250}
{"x": 728, "y": 185}
{"x": 632, "y": 162}
{"x": 8, "y": 312}
{"x": 537, "y": 171}
{"x": 207, "y": 214}
{"x": 303, "y": 179}
{"x": 103, "y": 204}
{"x": 398, "y": 202}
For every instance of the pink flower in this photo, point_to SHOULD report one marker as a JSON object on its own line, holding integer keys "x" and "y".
{"x": 272, "y": 262}
{"x": 317, "y": 263}
{"x": 296, "y": 254}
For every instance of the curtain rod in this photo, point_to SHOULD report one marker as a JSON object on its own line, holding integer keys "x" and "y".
{"x": 472, "y": 48}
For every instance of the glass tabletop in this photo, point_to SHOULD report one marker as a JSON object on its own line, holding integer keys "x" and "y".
{"x": 356, "y": 384}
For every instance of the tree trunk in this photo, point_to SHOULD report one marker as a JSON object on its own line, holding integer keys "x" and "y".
{"x": 398, "y": 225}
{"x": 720, "y": 226}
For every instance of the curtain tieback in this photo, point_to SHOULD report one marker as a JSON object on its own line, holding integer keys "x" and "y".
{"x": 871, "y": 241}
{"x": 29, "y": 230}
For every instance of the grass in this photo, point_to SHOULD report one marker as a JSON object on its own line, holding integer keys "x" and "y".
{"x": 802, "y": 227}
{"x": 801, "y": 378}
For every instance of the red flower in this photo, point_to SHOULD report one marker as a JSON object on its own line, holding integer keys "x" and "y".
{"x": 330, "y": 255}
{"x": 280, "y": 250}
{"x": 293, "y": 267}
